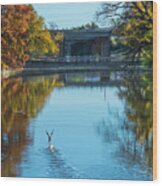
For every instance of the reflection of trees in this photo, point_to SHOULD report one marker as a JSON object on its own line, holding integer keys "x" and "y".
{"x": 21, "y": 100}
{"x": 108, "y": 131}
{"x": 139, "y": 111}
{"x": 134, "y": 130}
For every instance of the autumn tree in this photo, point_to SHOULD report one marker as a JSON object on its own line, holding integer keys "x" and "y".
{"x": 133, "y": 23}
{"x": 24, "y": 34}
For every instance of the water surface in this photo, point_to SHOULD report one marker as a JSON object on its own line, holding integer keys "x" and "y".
{"x": 102, "y": 126}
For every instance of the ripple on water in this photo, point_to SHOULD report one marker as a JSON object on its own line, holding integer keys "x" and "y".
{"x": 58, "y": 166}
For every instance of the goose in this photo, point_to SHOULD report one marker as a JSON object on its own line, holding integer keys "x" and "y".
{"x": 50, "y": 145}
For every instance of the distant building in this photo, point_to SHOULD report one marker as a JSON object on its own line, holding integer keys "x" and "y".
{"x": 85, "y": 44}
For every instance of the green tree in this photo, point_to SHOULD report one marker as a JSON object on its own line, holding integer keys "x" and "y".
{"x": 87, "y": 26}
{"x": 133, "y": 23}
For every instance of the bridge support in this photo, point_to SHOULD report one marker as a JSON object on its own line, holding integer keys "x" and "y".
{"x": 105, "y": 47}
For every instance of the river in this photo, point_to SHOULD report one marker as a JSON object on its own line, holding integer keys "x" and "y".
{"x": 102, "y": 126}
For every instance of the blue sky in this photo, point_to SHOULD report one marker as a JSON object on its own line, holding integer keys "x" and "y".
{"x": 67, "y": 15}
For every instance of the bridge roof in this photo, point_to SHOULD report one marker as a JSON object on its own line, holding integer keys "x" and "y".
{"x": 75, "y": 35}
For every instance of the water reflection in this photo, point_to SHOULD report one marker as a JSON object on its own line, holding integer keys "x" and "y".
{"x": 76, "y": 102}
{"x": 21, "y": 100}
{"x": 133, "y": 129}
{"x": 138, "y": 94}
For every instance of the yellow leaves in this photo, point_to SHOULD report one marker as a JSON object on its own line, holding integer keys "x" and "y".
{"x": 148, "y": 105}
{"x": 140, "y": 5}
{"x": 59, "y": 37}
{"x": 128, "y": 27}
{"x": 23, "y": 32}
{"x": 15, "y": 25}
{"x": 4, "y": 66}
{"x": 150, "y": 12}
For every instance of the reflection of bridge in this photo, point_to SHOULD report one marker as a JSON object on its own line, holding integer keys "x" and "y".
{"x": 91, "y": 79}
{"x": 38, "y": 67}
{"x": 87, "y": 45}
